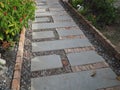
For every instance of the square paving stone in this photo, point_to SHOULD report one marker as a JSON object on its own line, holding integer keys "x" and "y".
{"x": 86, "y": 57}
{"x": 76, "y": 81}
{"x": 59, "y": 44}
{"x": 43, "y": 34}
{"x": 69, "y": 32}
{"x": 45, "y": 62}
{"x": 52, "y": 25}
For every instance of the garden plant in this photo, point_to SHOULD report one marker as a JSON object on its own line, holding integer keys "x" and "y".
{"x": 99, "y": 12}
{"x": 14, "y": 15}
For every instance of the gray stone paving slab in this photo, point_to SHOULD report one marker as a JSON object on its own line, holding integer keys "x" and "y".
{"x": 41, "y": 4}
{"x": 53, "y": 3}
{"x": 63, "y": 17}
{"x": 45, "y": 62}
{"x": 84, "y": 58}
{"x": 43, "y": 19}
{"x": 56, "y": 8}
{"x": 49, "y": 1}
{"x": 42, "y": 34}
{"x": 52, "y": 25}
{"x": 59, "y": 44}
{"x": 69, "y": 32}
{"x": 76, "y": 81}
{"x": 50, "y": 14}
{"x": 43, "y": 14}
{"x": 69, "y": 28}
{"x": 41, "y": 10}
{"x": 42, "y": 7}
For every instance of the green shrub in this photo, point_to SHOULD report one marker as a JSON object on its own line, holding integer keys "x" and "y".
{"x": 101, "y": 12}
{"x": 14, "y": 15}
{"x": 76, "y": 2}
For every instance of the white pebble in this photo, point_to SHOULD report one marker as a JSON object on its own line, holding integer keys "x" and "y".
{"x": 2, "y": 62}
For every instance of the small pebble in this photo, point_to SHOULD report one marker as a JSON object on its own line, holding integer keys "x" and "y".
{"x": 2, "y": 62}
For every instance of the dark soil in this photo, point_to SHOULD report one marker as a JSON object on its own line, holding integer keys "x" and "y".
{"x": 112, "y": 32}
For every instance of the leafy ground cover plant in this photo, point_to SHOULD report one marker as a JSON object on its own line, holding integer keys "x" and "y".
{"x": 14, "y": 14}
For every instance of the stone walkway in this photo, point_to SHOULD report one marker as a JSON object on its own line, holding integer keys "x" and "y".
{"x": 64, "y": 59}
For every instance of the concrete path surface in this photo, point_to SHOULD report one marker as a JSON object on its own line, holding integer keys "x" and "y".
{"x": 64, "y": 58}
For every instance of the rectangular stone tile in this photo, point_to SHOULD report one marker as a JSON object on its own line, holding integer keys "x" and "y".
{"x": 59, "y": 44}
{"x": 43, "y": 14}
{"x": 84, "y": 58}
{"x": 45, "y": 62}
{"x": 54, "y": 4}
{"x": 68, "y": 28}
{"x": 50, "y": 14}
{"x": 42, "y": 19}
{"x": 76, "y": 81}
{"x": 69, "y": 32}
{"x": 56, "y": 8}
{"x": 52, "y": 25}
{"x": 44, "y": 9}
{"x": 63, "y": 17}
{"x": 50, "y": 1}
{"x": 42, "y": 34}
{"x": 41, "y": 4}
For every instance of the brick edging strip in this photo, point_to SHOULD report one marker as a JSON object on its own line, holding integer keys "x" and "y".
{"x": 18, "y": 65}
{"x": 105, "y": 42}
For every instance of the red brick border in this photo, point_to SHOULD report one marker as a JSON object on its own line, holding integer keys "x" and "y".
{"x": 92, "y": 66}
{"x": 105, "y": 42}
{"x": 18, "y": 66}
{"x": 72, "y": 37}
{"x": 76, "y": 50}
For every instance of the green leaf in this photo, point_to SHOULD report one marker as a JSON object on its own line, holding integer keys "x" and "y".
{"x": 10, "y": 25}
{"x": 13, "y": 34}
{"x": 1, "y": 37}
{"x": 2, "y": 5}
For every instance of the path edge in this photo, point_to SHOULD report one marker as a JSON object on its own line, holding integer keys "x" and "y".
{"x": 18, "y": 64}
{"x": 105, "y": 42}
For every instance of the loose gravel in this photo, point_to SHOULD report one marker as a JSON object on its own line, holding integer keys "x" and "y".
{"x": 6, "y": 78}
